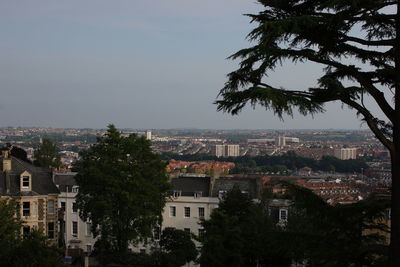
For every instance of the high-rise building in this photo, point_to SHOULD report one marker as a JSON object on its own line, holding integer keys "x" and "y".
{"x": 231, "y": 150}
{"x": 280, "y": 141}
{"x": 345, "y": 153}
{"x": 227, "y": 150}
{"x": 148, "y": 135}
{"x": 220, "y": 151}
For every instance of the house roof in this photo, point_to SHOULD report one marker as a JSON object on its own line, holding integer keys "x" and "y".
{"x": 246, "y": 184}
{"x": 41, "y": 179}
{"x": 189, "y": 185}
{"x": 65, "y": 181}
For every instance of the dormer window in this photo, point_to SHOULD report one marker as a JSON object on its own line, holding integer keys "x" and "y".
{"x": 26, "y": 181}
{"x": 198, "y": 194}
{"x": 177, "y": 193}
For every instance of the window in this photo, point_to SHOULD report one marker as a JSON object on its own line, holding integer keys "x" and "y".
{"x": 187, "y": 212}
{"x": 283, "y": 215}
{"x": 201, "y": 233}
{"x": 25, "y": 181}
{"x": 74, "y": 207}
{"x": 50, "y": 230}
{"x": 201, "y": 212}
{"x": 26, "y": 230}
{"x": 75, "y": 229}
{"x": 26, "y": 208}
{"x": 75, "y": 189}
{"x": 157, "y": 233}
{"x": 63, "y": 205}
{"x": 198, "y": 194}
{"x": 50, "y": 207}
{"x": 88, "y": 248}
{"x": 177, "y": 193}
{"x": 172, "y": 211}
{"x": 88, "y": 228}
{"x": 187, "y": 230}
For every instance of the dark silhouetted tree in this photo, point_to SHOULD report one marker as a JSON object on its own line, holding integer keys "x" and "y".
{"x": 46, "y": 155}
{"x": 177, "y": 248}
{"x": 356, "y": 43}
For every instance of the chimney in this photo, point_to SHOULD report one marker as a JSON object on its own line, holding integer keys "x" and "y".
{"x": 6, "y": 160}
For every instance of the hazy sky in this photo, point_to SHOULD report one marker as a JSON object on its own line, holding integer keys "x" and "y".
{"x": 134, "y": 63}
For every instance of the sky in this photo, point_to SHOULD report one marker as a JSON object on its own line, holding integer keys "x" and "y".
{"x": 142, "y": 64}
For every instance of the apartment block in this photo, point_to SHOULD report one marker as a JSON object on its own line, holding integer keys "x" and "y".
{"x": 345, "y": 153}
{"x": 227, "y": 150}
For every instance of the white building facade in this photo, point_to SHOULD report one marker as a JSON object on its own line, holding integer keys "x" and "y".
{"x": 76, "y": 233}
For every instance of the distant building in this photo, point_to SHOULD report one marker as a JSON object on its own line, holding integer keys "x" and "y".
{"x": 280, "y": 141}
{"x": 227, "y": 150}
{"x": 345, "y": 153}
{"x": 148, "y": 135}
{"x": 262, "y": 140}
{"x": 231, "y": 150}
{"x": 292, "y": 139}
{"x": 220, "y": 151}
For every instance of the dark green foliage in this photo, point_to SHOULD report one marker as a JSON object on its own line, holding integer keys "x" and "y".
{"x": 240, "y": 233}
{"x": 122, "y": 189}
{"x": 177, "y": 248}
{"x": 357, "y": 44}
{"x": 20, "y": 154}
{"x": 281, "y": 163}
{"x": 33, "y": 251}
{"x": 9, "y": 230}
{"x": 243, "y": 233}
{"x": 28, "y": 251}
{"x": 334, "y": 235}
{"x": 328, "y": 163}
{"x": 46, "y": 155}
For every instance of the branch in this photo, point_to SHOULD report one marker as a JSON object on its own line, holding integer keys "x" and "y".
{"x": 378, "y": 95}
{"x": 371, "y": 123}
{"x": 352, "y": 71}
{"x": 388, "y": 42}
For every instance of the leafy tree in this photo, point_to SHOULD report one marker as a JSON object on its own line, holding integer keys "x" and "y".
{"x": 177, "y": 248}
{"x": 46, "y": 155}
{"x": 31, "y": 250}
{"x": 340, "y": 235}
{"x": 240, "y": 233}
{"x": 222, "y": 242}
{"x": 355, "y": 66}
{"x": 9, "y": 230}
{"x": 122, "y": 189}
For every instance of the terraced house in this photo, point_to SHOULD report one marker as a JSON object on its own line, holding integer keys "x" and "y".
{"x": 33, "y": 189}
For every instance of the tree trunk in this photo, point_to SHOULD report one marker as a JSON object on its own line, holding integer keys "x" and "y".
{"x": 394, "y": 253}
{"x": 395, "y": 212}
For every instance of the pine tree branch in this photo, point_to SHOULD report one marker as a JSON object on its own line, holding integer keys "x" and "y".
{"x": 352, "y": 71}
{"x": 371, "y": 123}
{"x": 388, "y": 42}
